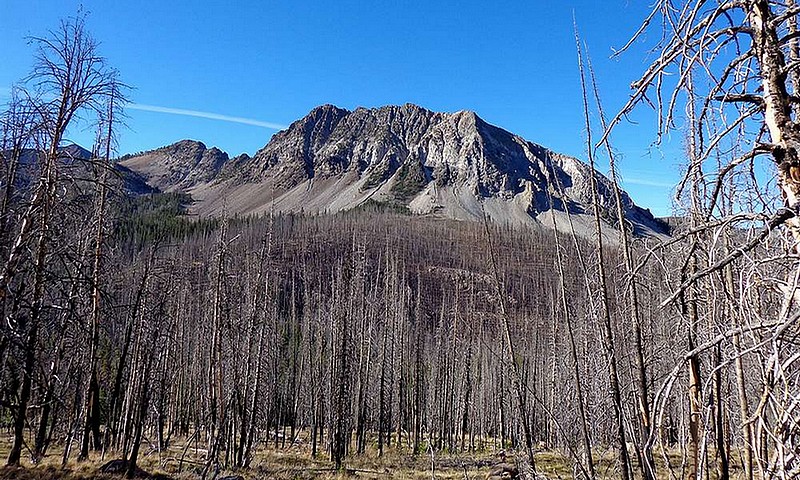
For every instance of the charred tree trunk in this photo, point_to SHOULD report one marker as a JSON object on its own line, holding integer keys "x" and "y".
{"x": 20, "y": 415}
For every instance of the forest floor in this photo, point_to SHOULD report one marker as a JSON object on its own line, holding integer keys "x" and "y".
{"x": 292, "y": 462}
{"x": 296, "y": 462}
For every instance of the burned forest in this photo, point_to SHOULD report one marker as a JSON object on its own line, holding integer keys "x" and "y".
{"x": 394, "y": 292}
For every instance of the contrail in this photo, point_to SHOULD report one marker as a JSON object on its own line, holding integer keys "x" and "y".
{"x": 209, "y": 115}
{"x": 648, "y": 183}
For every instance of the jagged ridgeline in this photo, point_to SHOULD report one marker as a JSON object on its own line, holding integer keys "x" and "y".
{"x": 449, "y": 165}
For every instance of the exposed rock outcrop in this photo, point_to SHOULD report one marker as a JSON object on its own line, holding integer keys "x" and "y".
{"x": 453, "y": 165}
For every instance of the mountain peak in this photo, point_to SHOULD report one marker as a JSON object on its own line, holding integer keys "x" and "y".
{"x": 187, "y": 143}
{"x": 75, "y": 151}
{"x": 327, "y": 107}
{"x": 454, "y": 165}
{"x": 178, "y": 166}
{"x": 323, "y": 113}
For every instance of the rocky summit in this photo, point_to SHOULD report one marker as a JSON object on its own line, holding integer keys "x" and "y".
{"x": 453, "y": 165}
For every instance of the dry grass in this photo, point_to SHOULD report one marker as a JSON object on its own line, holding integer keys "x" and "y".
{"x": 295, "y": 462}
{"x": 50, "y": 473}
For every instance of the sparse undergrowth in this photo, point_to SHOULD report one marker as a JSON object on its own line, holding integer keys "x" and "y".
{"x": 292, "y": 462}
{"x": 296, "y": 462}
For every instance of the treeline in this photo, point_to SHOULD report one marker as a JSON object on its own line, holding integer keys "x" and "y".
{"x": 358, "y": 328}
{"x": 149, "y": 218}
{"x": 362, "y": 331}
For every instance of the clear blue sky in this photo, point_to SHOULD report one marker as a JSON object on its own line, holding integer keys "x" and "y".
{"x": 514, "y": 63}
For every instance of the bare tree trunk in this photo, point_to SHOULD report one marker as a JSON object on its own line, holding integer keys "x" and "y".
{"x": 695, "y": 412}
{"x": 777, "y": 106}
{"x": 723, "y": 468}
{"x": 341, "y": 431}
{"x": 607, "y": 333}
{"x": 216, "y": 404}
{"x": 116, "y": 391}
{"x": 44, "y": 429}
{"x": 143, "y": 404}
{"x": 642, "y": 386}
{"x": 419, "y": 373}
{"x": 47, "y": 185}
{"x": 744, "y": 410}
{"x": 382, "y": 386}
{"x": 586, "y": 438}
{"x": 516, "y": 376}
{"x": 20, "y": 416}
{"x": 92, "y": 414}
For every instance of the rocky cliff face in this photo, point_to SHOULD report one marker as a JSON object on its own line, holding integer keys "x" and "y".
{"x": 449, "y": 164}
{"x": 180, "y": 166}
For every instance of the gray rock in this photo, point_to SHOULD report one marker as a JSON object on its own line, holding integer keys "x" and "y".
{"x": 454, "y": 165}
{"x": 179, "y": 166}
{"x": 114, "y": 466}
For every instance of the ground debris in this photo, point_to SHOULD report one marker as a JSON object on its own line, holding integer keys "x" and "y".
{"x": 526, "y": 472}
{"x": 503, "y": 471}
{"x": 120, "y": 467}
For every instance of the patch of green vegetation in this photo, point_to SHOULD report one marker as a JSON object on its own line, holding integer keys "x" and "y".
{"x": 375, "y": 178}
{"x": 157, "y": 217}
{"x": 442, "y": 175}
{"x": 161, "y": 203}
{"x": 409, "y": 181}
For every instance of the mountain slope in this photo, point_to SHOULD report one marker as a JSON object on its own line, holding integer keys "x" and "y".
{"x": 450, "y": 165}
{"x": 179, "y": 166}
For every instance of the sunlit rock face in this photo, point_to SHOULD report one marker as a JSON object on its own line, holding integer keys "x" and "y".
{"x": 453, "y": 165}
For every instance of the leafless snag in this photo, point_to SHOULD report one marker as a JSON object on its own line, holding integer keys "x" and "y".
{"x": 605, "y": 321}
{"x": 734, "y": 65}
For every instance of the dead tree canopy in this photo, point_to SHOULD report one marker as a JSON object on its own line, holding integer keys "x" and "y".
{"x": 736, "y": 65}
{"x": 726, "y": 75}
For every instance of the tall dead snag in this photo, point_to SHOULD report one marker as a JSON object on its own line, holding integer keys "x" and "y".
{"x": 516, "y": 374}
{"x": 605, "y": 321}
{"x": 390, "y": 314}
{"x": 105, "y": 143}
{"x": 150, "y": 350}
{"x": 341, "y": 386}
{"x": 588, "y": 470}
{"x": 644, "y": 448}
{"x": 18, "y": 124}
{"x": 259, "y": 301}
{"x": 417, "y": 336}
{"x": 689, "y": 299}
{"x": 734, "y": 66}
{"x": 217, "y": 403}
{"x": 115, "y": 402}
{"x": 69, "y": 77}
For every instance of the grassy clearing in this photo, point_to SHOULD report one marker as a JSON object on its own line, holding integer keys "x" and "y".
{"x": 296, "y": 462}
{"x": 293, "y": 462}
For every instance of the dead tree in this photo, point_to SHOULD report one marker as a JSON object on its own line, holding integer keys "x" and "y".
{"x": 69, "y": 77}
{"x": 105, "y": 143}
{"x": 644, "y": 450}
{"x": 733, "y": 67}
{"x": 605, "y": 321}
